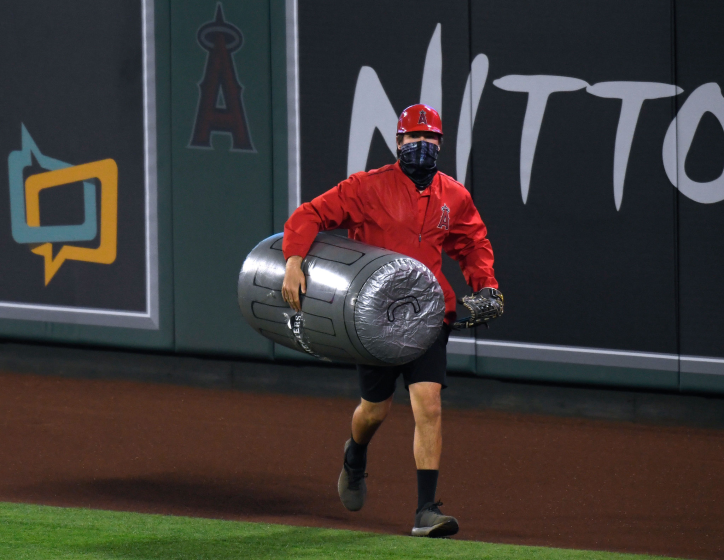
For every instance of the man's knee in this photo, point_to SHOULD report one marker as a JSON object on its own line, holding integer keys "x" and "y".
{"x": 431, "y": 409}
{"x": 427, "y": 402}
{"x": 375, "y": 413}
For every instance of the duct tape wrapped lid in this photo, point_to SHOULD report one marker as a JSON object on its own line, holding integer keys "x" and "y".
{"x": 398, "y": 313}
{"x": 363, "y": 304}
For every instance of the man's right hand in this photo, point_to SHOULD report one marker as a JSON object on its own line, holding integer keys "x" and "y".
{"x": 294, "y": 280}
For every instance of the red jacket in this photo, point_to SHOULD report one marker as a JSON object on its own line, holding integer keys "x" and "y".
{"x": 383, "y": 207}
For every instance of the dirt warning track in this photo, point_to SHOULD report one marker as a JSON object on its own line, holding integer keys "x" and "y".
{"x": 513, "y": 478}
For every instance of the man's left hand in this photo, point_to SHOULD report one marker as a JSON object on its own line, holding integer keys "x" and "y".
{"x": 484, "y": 305}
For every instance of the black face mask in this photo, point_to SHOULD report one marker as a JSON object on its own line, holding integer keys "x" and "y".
{"x": 418, "y": 160}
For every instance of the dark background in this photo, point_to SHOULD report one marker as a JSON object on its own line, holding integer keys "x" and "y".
{"x": 574, "y": 270}
{"x": 335, "y": 41}
{"x": 73, "y": 74}
{"x": 700, "y": 60}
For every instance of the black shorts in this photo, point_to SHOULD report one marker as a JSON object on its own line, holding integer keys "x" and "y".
{"x": 377, "y": 383}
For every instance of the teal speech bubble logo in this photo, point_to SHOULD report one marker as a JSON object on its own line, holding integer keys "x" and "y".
{"x": 22, "y": 232}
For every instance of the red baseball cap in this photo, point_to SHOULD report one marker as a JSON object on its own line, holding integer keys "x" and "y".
{"x": 419, "y": 117}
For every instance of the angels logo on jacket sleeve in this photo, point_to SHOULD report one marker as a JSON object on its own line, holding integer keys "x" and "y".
{"x": 444, "y": 218}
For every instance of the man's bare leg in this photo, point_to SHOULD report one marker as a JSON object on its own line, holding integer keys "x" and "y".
{"x": 427, "y": 409}
{"x": 367, "y": 418}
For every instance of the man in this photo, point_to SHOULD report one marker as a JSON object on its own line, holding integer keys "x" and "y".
{"x": 411, "y": 208}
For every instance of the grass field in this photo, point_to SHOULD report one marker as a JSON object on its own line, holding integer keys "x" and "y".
{"x": 41, "y": 532}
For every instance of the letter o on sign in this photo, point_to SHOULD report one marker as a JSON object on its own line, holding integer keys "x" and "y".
{"x": 705, "y": 98}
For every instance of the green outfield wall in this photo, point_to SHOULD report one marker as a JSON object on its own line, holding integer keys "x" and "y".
{"x": 151, "y": 144}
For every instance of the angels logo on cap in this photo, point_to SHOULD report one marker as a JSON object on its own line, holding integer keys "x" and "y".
{"x": 419, "y": 118}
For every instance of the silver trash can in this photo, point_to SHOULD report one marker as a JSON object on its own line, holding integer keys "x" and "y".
{"x": 363, "y": 304}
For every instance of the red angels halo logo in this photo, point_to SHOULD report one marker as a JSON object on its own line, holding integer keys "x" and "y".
{"x": 221, "y": 107}
{"x": 444, "y": 218}
{"x": 423, "y": 118}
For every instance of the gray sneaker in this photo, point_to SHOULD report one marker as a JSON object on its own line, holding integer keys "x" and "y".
{"x": 352, "y": 486}
{"x": 430, "y": 522}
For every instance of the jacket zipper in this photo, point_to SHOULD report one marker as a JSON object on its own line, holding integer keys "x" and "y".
{"x": 424, "y": 217}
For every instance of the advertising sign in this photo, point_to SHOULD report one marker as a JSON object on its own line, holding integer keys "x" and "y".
{"x": 77, "y": 138}
{"x": 576, "y": 139}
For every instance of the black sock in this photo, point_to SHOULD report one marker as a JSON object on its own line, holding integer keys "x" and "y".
{"x": 426, "y": 487}
{"x": 356, "y": 456}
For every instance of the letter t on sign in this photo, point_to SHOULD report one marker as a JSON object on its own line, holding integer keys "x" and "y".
{"x": 538, "y": 89}
{"x": 632, "y": 96}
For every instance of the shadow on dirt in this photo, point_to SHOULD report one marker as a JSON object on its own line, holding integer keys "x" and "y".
{"x": 236, "y": 498}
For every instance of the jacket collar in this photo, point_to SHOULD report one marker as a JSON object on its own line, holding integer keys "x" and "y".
{"x": 404, "y": 179}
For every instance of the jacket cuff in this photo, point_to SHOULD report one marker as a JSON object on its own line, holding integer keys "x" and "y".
{"x": 294, "y": 249}
{"x": 486, "y": 283}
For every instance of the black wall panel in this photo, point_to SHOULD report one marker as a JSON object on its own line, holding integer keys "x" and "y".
{"x": 574, "y": 269}
{"x": 336, "y": 39}
{"x": 74, "y": 80}
{"x": 700, "y": 60}
{"x": 596, "y": 245}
